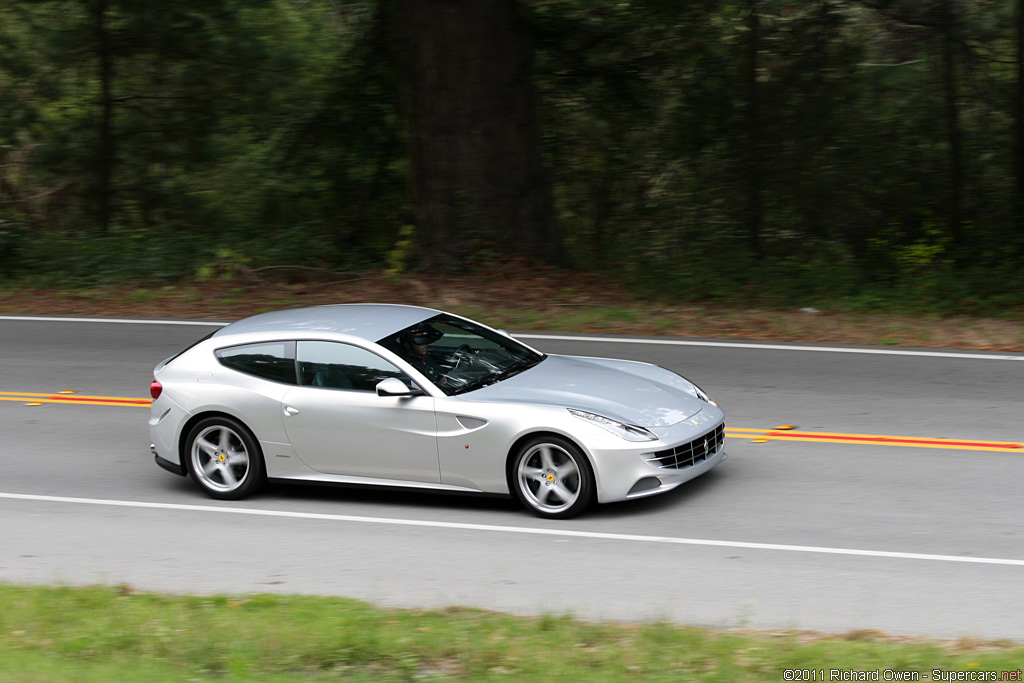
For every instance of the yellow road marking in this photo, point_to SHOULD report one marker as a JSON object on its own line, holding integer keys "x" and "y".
{"x": 70, "y": 403}
{"x": 874, "y": 439}
{"x": 79, "y": 399}
{"x": 781, "y": 433}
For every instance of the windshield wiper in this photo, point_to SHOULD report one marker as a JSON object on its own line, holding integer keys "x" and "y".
{"x": 513, "y": 369}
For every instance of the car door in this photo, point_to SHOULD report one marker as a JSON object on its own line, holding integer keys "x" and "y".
{"x": 337, "y": 423}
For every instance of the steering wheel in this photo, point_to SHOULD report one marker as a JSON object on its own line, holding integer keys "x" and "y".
{"x": 463, "y": 353}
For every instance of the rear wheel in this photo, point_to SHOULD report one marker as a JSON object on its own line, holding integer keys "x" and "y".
{"x": 224, "y": 458}
{"x": 552, "y": 477}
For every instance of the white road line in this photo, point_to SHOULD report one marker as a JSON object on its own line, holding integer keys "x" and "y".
{"x": 573, "y": 338}
{"x": 771, "y": 347}
{"x": 565, "y": 533}
{"x": 115, "y": 321}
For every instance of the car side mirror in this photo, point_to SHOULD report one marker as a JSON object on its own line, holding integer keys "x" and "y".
{"x": 504, "y": 332}
{"x": 392, "y": 386}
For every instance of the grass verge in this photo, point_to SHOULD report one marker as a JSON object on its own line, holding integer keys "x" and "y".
{"x": 115, "y": 633}
{"x": 519, "y": 299}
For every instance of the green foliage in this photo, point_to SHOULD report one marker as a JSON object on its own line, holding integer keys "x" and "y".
{"x": 398, "y": 257}
{"x": 271, "y": 133}
{"x": 855, "y": 182}
{"x": 226, "y": 268}
{"x": 218, "y": 115}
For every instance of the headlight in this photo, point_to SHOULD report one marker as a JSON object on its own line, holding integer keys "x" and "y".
{"x": 619, "y": 429}
{"x": 702, "y": 395}
{"x": 690, "y": 388}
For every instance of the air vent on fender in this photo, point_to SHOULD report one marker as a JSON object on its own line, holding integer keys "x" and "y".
{"x": 470, "y": 422}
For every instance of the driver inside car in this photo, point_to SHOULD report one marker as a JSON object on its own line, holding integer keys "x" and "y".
{"x": 413, "y": 347}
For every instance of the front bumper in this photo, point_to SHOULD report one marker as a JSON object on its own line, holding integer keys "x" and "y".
{"x": 669, "y": 479}
{"x": 624, "y": 473}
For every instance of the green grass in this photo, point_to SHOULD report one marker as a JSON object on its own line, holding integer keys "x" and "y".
{"x": 115, "y": 634}
{"x": 141, "y": 295}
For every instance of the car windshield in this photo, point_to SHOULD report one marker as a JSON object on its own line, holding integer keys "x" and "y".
{"x": 458, "y": 355}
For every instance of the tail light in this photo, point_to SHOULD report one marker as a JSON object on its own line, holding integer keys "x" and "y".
{"x": 154, "y": 389}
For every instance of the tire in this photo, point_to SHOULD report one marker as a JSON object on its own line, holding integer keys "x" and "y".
{"x": 224, "y": 458}
{"x": 552, "y": 477}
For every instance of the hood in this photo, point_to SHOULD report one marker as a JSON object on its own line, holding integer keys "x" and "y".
{"x": 593, "y": 385}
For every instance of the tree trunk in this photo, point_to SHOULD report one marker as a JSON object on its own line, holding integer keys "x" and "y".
{"x": 754, "y": 210}
{"x": 465, "y": 80}
{"x": 1018, "y": 127}
{"x": 954, "y": 134}
{"x": 105, "y": 158}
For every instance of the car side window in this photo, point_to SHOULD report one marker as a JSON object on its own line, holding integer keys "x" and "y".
{"x": 334, "y": 365}
{"x": 269, "y": 360}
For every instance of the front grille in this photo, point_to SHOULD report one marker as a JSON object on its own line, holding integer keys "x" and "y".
{"x": 689, "y": 454}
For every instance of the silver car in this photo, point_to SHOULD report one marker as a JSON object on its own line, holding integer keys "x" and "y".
{"x": 413, "y": 397}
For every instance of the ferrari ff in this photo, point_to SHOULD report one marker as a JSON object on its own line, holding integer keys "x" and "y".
{"x": 403, "y": 396}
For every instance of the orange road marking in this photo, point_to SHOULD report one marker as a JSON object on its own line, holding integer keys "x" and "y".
{"x": 871, "y": 439}
{"x": 780, "y": 433}
{"x": 898, "y": 440}
{"x": 62, "y": 397}
{"x": 101, "y": 399}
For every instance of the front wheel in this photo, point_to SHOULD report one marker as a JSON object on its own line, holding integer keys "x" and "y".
{"x": 552, "y": 477}
{"x": 224, "y": 458}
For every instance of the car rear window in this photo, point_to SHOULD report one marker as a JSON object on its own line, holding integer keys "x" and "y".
{"x": 270, "y": 360}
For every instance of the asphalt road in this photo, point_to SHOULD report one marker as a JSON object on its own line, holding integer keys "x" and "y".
{"x": 916, "y": 540}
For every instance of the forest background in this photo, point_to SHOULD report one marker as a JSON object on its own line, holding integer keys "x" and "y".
{"x": 857, "y": 154}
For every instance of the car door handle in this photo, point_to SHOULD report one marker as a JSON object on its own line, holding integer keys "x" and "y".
{"x": 288, "y": 410}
